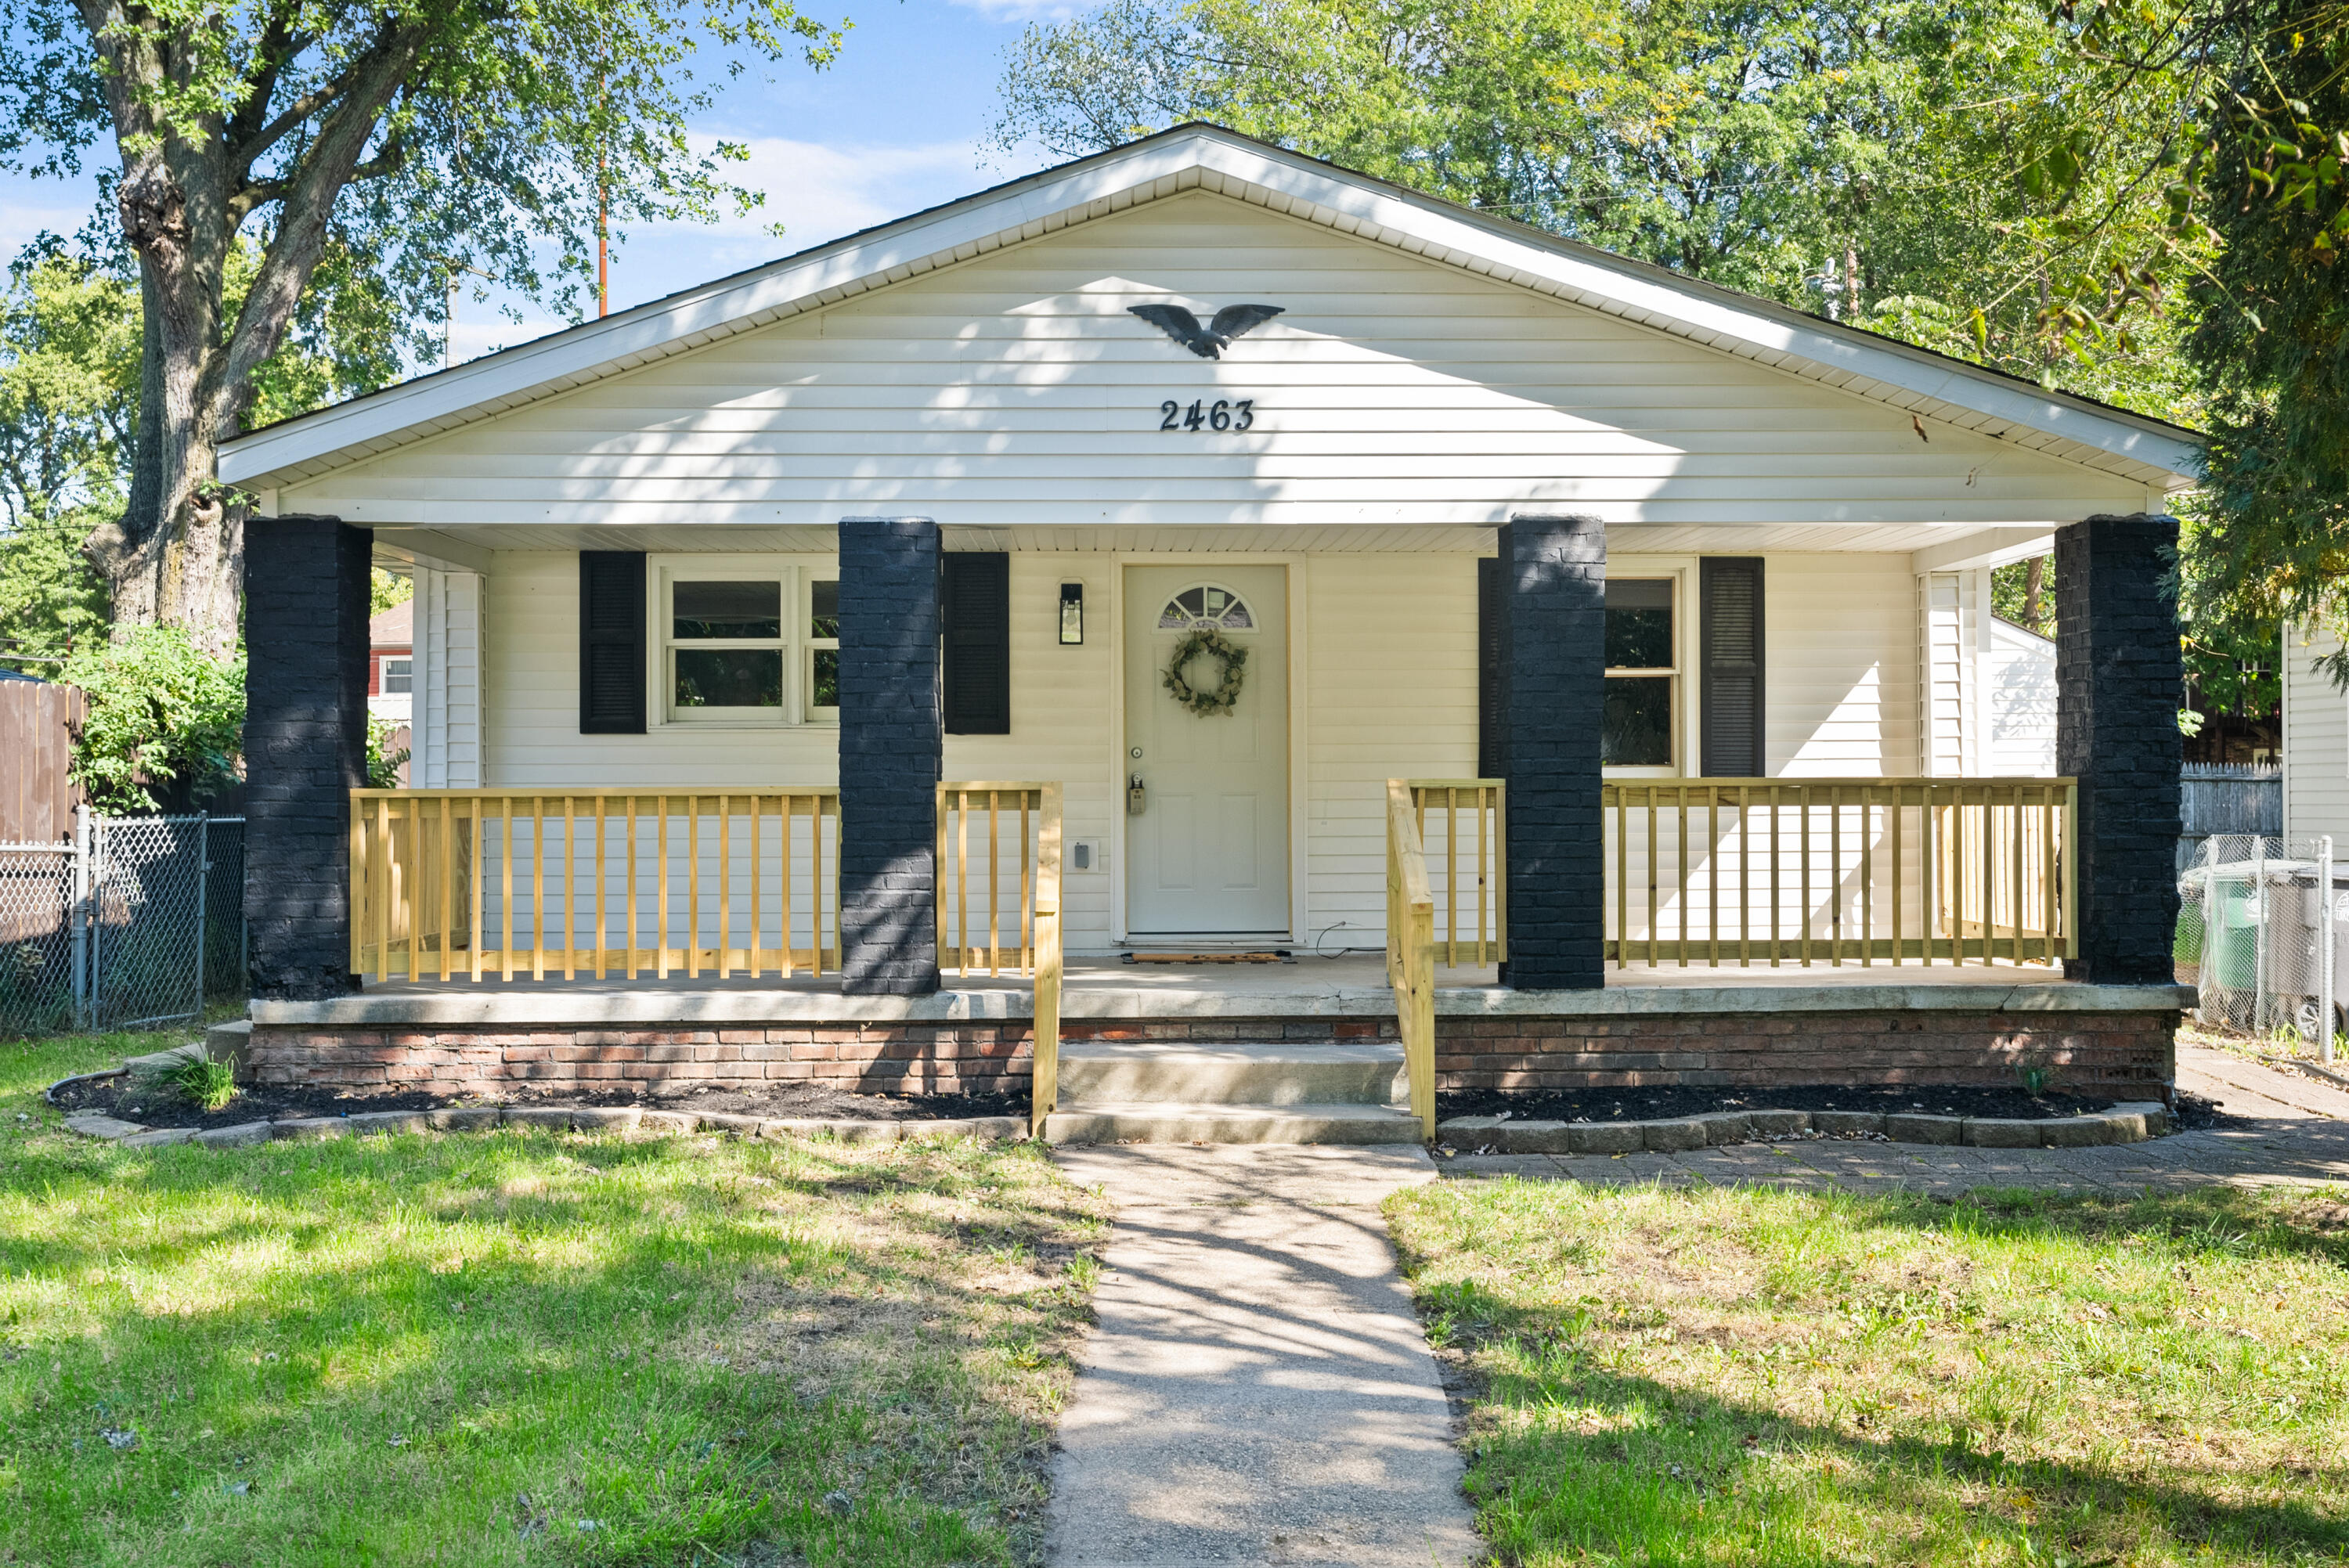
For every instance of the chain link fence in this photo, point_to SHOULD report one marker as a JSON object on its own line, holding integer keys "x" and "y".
{"x": 2263, "y": 936}
{"x": 137, "y": 921}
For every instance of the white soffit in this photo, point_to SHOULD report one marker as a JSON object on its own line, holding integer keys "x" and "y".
{"x": 1203, "y": 158}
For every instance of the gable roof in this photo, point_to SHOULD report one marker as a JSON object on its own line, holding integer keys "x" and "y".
{"x": 1209, "y": 157}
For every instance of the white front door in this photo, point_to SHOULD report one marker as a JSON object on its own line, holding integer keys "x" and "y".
{"x": 1207, "y": 853}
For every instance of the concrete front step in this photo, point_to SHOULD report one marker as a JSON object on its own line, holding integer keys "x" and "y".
{"x": 1272, "y": 1074}
{"x": 1162, "y": 1121}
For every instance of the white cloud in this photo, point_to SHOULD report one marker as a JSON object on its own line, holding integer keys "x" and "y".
{"x": 29, "y": 207}
{"x": 819, "y": 193}
{"x": 1023, "y": 10}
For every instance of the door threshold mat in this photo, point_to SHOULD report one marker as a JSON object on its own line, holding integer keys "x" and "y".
{"x": 1276, "y": 955}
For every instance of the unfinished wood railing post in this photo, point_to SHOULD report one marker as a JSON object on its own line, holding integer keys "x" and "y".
{"x": 1991, "y": 879}
{"x": 1413, "y": 933}
{"x": 1478, "y": 871}
{"x": 1043, "y": 1096}
{"x": 420, "y": 884}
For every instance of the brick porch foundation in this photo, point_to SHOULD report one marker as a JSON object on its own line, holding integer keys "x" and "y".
{"x": 2128, "y": 1055}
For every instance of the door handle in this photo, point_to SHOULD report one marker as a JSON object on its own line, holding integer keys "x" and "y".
{"x": 1137, "y": 795}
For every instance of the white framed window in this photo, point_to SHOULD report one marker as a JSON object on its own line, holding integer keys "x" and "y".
{"x": 1640, "y": 724}
{"x": 823, "y": 658}
{"x": 399, "y": 676}
{"x": 746, "y": 641}
{"x": 1647, "y": 722}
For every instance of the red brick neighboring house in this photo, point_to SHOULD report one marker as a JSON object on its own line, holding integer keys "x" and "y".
{"x": 392, "y": 672}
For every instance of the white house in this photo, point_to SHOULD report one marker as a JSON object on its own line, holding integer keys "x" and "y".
{"x": 632, "y": 549}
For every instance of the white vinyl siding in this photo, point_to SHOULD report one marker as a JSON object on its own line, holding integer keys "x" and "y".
{"x": 532, "y": 687}
{"x": 1391, "y": 694}
{"x": 2019, "y": 688}
{"x": 1950, "y": 614}
{"x": 2315, "y": 743}
{"x": 1840, "y": 675}
{"x": 1014, "y": 390}
{"x": 446, "y": 735}
{"x": 1061, "y": 725}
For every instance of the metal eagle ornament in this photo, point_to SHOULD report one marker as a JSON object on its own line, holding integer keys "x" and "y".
{"x": 1208, "y": 342}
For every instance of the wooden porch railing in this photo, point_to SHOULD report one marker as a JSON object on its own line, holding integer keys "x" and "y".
{"x": 466, "y": 885}
{"x": 1836, "y": 870}
{"x": 1411, "y": 949}
{"x": 1473, "y": 869}
{"x": 1002, "y": 914}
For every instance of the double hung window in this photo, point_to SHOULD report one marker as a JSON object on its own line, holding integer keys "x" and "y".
{"x": 1639, "y": 724}
{"x": 748, "y": 645}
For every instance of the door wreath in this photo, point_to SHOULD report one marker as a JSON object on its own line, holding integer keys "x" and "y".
{"x": 1231, "y": 660}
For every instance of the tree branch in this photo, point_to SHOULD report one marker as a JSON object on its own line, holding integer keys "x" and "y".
{"x": 260, "y": 141}
{"x": 306, "y": 209}
{"x": 274, "y": 49}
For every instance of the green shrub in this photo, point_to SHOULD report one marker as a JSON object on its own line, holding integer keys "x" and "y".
{"x": 162, "y": 712}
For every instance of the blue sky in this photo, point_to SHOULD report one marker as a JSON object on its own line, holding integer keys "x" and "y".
{"x": 895, "y": 126}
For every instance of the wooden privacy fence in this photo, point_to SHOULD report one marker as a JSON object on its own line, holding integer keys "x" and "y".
{"x": 38, "y": 794}
{"x": 1411, "y": 948}
{"x": 1836, "y": 871}
{"x": 452, "y": 884}
{"x": 999, "y": 912}
{"x": 1466, "y": 863}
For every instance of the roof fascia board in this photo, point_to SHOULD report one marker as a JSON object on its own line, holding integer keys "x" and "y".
{"x": 1625, "y": 292}
{"x": 1683, "y": 306}
{"x": 656, "y": 327}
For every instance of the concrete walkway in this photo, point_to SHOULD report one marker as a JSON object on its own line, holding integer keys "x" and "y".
{"x": 2295, "y": 1131}
{"x": 1259, "y": 1389}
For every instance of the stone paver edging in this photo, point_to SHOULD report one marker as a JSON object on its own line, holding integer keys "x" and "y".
{"x": 578, "y": 1118}
{"x": 2132, "y": 1122}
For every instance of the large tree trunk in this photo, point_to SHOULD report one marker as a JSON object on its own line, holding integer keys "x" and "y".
{"x": 176, "y": 556}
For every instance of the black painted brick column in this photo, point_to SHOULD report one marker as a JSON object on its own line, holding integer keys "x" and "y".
{"x": 2116, "y": 685}
{"x": 306, "y": 679}
{"x": 892, "y": 741}
{"x": 1553, "y": 675}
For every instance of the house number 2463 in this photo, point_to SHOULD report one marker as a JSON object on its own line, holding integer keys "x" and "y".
{"x": 1220, "y": 414}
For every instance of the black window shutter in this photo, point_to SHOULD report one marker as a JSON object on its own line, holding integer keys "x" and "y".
{"x": 1489, "y": 669}
{"x": 978, "y": 676}
{"x": 611, "y": 642}
{"x": 1731, "y": 635}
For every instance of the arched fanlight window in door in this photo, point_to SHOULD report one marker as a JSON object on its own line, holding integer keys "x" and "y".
{"x": 1205, "y": 605}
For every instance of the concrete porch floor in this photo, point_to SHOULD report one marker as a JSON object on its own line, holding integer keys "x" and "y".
{"x": 1347, "y": 976}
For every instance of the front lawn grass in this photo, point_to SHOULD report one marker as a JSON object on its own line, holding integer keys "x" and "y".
{"x": 1741, "y": 1377}
{"x": 519, "y": 1347}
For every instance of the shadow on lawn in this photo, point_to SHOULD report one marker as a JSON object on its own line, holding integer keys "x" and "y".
{"x": 530, "y": 1332}
{"x": 1618, "y": 1463}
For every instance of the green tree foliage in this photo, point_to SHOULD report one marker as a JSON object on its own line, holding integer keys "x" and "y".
{"x": 384, "y": 590}
{"x": 2253, "y": 100}
{"x": 1859, "y": 160}
{"x": 368, "y": 152}
{"x": 165, "y": 722}
{"x": 68, "y": 398}
{"x": 2272, "y": 346}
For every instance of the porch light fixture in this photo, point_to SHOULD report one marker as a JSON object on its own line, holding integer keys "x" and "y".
{"x": 1072, "y": 613}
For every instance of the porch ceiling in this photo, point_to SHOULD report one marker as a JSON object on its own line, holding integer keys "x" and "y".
{"x": 1937, "y": 546}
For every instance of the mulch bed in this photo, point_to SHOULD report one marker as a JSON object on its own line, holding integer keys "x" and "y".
{"x": 159, "y": 1105}
{"x": 1661, "y": 1102}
